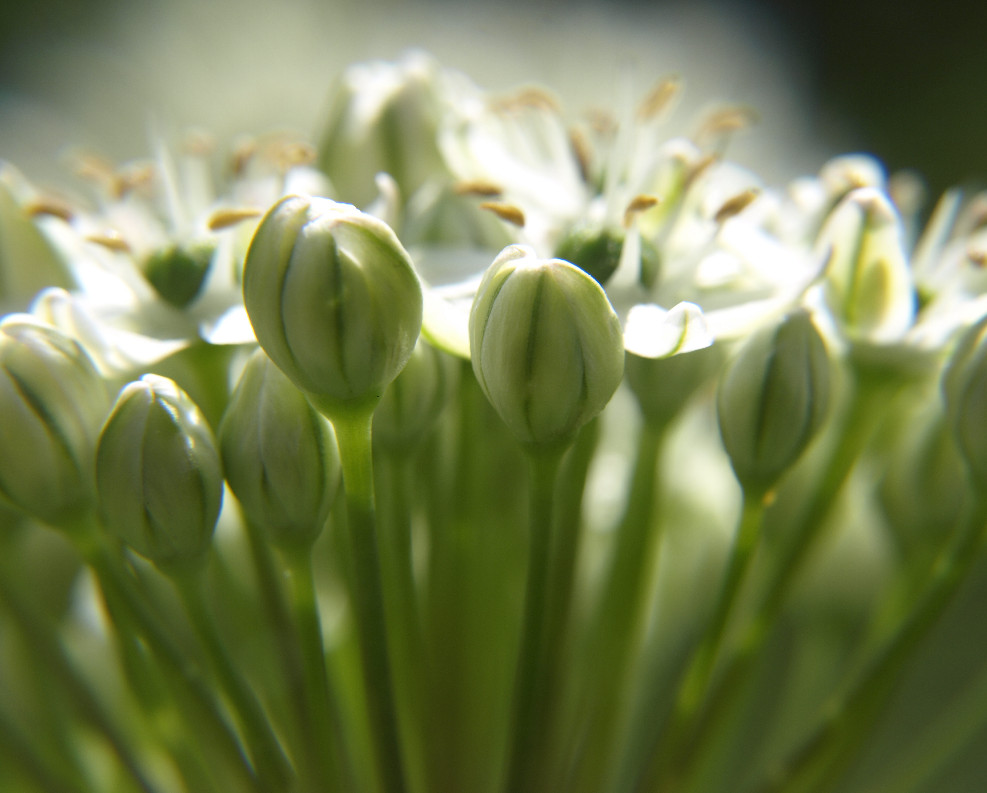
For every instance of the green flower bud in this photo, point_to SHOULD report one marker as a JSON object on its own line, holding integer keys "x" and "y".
{"x": 384, "y": 117}
{"x": 598, "y": 250}
{"x": 546, "y": 345}
{"x": 279, "y": 455}
{"x": 53, "y": 402}
{"x": 333, "y": 298}
{"x": 773, "y": 400}
{"x": 177, "y": 272}
{"x": 868, "y": 283}
{"x": 413, "y": 402}
{"x": 965, "y": 389}
{"x": 158, "y": 476}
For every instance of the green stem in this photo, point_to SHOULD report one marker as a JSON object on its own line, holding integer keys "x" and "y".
{"x": 193, "y": 695}
{"x": 58, "y": 668}
{"x": 273, "y": 770}
{"x": 821, "y": 758}
{"x": 664, "y": 771}
{"x": 614, "y": 632}
{"x": 313, "y": 720}
{"x": 315, "y": 673}
{"x": 534, "y": 684}
{"x": 805, "y": 532}
{"x": 355, "y": 451}
{"x": 22, "y": 755}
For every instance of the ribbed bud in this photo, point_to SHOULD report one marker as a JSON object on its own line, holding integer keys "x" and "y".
{"x": 333, "y": 298}
{"x": 965, "y": 390}
{"x": 384, "y": 117}
{"x": 546, "y": 345}
{"x": 279, "y": 455}
{"x": 868, "y": 284}
{"x": 53, "y": 402}
{"x": 773, "y": 399}
{"x": 413, "y": 402}
{"x": 158, "y": 476}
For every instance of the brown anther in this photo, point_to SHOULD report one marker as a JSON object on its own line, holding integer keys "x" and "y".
{"x": 507, "y": 212}
{"x": 225, "y": 218}
{"x": 133, "y": 177}
{"x": 243, "y": 153}
{"x": 658, "y": 98}
{"x": 290, "y": 154}
{"x": 601, "y": 122}
{"x": 111, "y": 240}
{"x": 700, "y": 167}
{"x": 977, "y": 257}
{"x": 478, "y": 187}
{"x": 725, "y": 121}
{"x": 639, "y": 204}
{"x": 93, "y": 168}
{"x": 51, "y": 207}
{"x": 528, "y": 97}
{"x": 198, "y": 143}
{"x": 735, "y": 205}
{"x": 582, "y": 151}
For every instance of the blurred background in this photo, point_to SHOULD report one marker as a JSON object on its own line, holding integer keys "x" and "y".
{"x": 904, "y": 79}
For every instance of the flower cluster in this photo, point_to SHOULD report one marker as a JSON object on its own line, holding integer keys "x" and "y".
{"x": 481, "y": 447}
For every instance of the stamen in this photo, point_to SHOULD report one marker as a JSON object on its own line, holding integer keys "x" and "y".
{"x": 582, "y": 151}
{"x": 478, "y": 187}
{"x": 528, "y": 97}
{"x": 111, "y": 240}
{"x": 659, "y": 98}
{"x": 133, "y": 177}
{"x": 736, "y": 205}
{"x": 198, "y": 143}
{"x": 725, "y": 121}
{"x": 977, "y": 257}
{"x": 639, "y": 204}
{"x": 225, "y": 218}
{"x": 507, "y": 212}
{"x": 288, "y": 154}
{"x": 50, "y": 206}
{"x": 93, "y": 168}
{"x": 243, "y": 153}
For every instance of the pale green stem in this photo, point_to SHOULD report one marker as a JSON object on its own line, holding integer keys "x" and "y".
{"x": 22, "y": 755}
{"x": 273, "y": 770}
{"x": 664, "y": 769}
{"x": 533, "y": 685}
{"x": 355, "y": 451}
{"x": 845, "y": 721}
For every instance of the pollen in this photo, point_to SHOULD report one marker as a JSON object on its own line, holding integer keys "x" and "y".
{"x": 639, "y": 204}
{"x": 228, "y": 217}
{"x": 735, "y": 205}
{"x": 506, "y": 212}
{"x": 478, "y": 187}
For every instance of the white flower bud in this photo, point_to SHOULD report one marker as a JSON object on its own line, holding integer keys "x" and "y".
{"x": 773, "y": 399}
{"x": 546, "y": 345}
{"x": 158, "y": 477}
{"x": 279, "y": 455}
{"x": 868, "y": 284}
{"x": 53, "y": 402}
{"x": 965, "y": 391}
{"x": 333, "y": 299}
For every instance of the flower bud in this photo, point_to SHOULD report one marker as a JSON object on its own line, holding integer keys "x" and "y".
{"x": 158, "y": 477}
{"x": 597, "y": 251}
{"x": 546, "y": 345}
{"x": 413, "y": 402}
{"x": 965, "y": 390}
{"x": 384, "y": 118}
{"x": 177, "y": 272}
{"x": 333, "y": 298}
{"x": 279, "y": 455}
{"x": 868, "y": 284}
{"x": 773, "y": 399}
{"x": 53, "y": 402}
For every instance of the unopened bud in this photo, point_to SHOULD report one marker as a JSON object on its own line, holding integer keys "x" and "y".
{"x": 333, "y": 299}
{"x": 177, "y": 272}
{"x": 53, "y": 402}
{"x": 279, "y": 455}
{"x": 773, "y": 400}
{"x": 158, "y": 476}
{"x": 546, "y": 346}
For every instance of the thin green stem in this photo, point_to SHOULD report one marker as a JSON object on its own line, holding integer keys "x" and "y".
{"x": 664, "y": 771}
{"x": 614, "y": 632}
{"x": 821, "y": 758}
{"x": 855, "y": 433}
{"x": 355, "y": 451}
{"x": 193, "y": 695}
{"x": 273, "y": 770}
{"x": 534, "y": 684}
{"x": 22, "y": 755}
{"x": 313, "y": 720}
{"x": 318, "y": 712}
{"x": 59, "y": 669}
